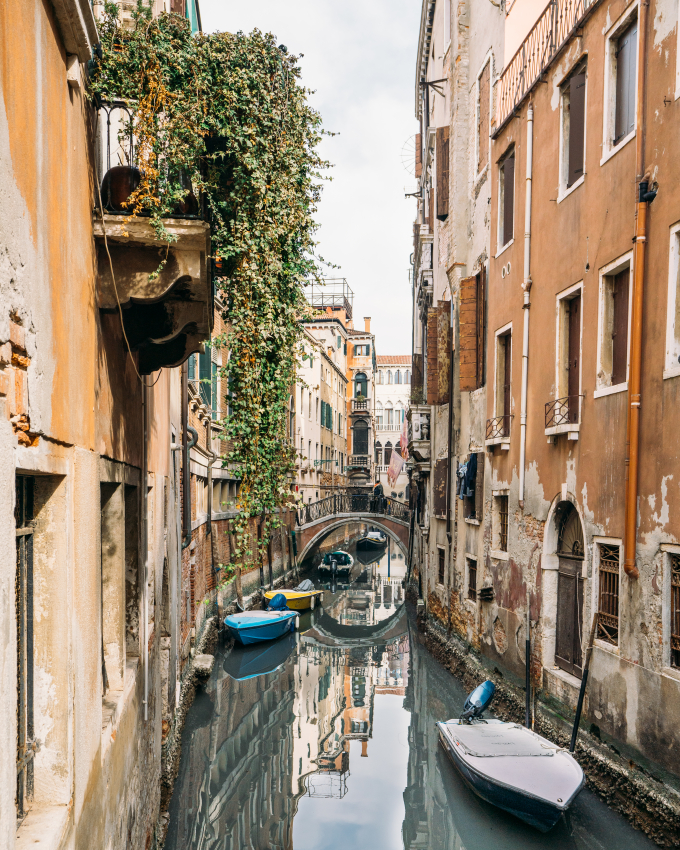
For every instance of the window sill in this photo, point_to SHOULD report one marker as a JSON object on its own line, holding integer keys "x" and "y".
{"x": 503, "y": 442}
{"x": 567, "y": 678}
{"x": 499, "y": 555}
{"x": 612, "y": 150}
{"x": 504, "y": 248}
{"x": 605, "y": 646}
{"x": 673, "y": 372}
{"x": 472, "y": 521}
{"x": 669, "y": 672}
{"x": 564, "y": 193}
{"x": 43, "y": 825}
{"x": 617, "y": 388}
{"x": 570, "y": 428}
{"x": 113, "y": 704}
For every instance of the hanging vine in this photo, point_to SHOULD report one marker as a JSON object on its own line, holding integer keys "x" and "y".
{"x": 225, "y": 115}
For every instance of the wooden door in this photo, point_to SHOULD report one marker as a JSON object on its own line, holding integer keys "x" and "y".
{"x": 574, "y": 362}
{"x": 569, "y": 615}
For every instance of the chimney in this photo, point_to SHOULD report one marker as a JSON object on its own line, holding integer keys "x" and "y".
{"x": 364, "y": 743}
{"x": 367, "y": 324}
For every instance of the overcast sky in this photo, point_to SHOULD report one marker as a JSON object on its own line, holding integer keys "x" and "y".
{"x": 359, "y": 56}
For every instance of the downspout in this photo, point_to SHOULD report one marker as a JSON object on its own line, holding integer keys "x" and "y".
{"x": 526, "y": 286}
{"x": 639, "y": 251}
{"x": 145, "y": 545}
{"x": 186, "y": 471}
{"x": 450, "y": 436}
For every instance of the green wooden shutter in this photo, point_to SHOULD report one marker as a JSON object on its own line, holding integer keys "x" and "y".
{"x": 205, "y": 376}
{"x": 192, "y": 367}
{"x": 213, "y": 392}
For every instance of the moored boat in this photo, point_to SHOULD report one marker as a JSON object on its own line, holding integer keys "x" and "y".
{"x": 337, "y": 563}
{"x": 372, "y": 540}
{"x": 510, "y": 766}
{"x": 247, "y": 662}
{"x": 300, "y": 598}
{"x": 256, "y": 626}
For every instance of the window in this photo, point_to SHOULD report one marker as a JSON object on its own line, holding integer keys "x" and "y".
{"x": 205, "y": 377}
{"x": 483, "y": 116}
{"x": 472, "y": 578}
{"x": 362, "y": 350}
{"x": 472, "y": 487}
{"x": 310, "y": 405}
{"x": 360, "y": 439}
{"x": 573, "y": 127}
{"x": 441, "y": 555}
{"x": 360, "y": 385}
{"x": 407, "y": 377}
{"x": 502, "y": 519}
{"x": 309, "y": 451}
{"x": 339, "y": 341}
{"x": 389, "y": 413}
{"x": 302, "y": 447}
{"x": 567, "y": 405}
{"x": 675, "y": 610}
{"x": 472, "y": 339}
{"x": 397, "y": 377}
{"x": 378, "y": 453}
{"x": 672, "y": 364}
{"x": 379, "y": 414}
{"x": 442, "y": 165}
{"x": 506, "y": 199}
{"x": 317, "y": 408}
{"x": 626, "y": 67}
{"x": 608, "y": 601}
{"x": 23, "y": 514}
{"x": 503, "y": 380}
{"x": 614, "y": 319}
{"x": 380, "y": 377}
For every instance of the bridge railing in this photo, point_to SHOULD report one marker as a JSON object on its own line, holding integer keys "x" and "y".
{"x": 354, "y": 503}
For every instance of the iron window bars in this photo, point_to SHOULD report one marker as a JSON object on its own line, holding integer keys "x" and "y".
{"x": 497, "y": 427}
{"x": 675, "y": 610}
{"x": 608, "y": 609}
{"x": 562, "y": 411}
{"x": 503, "y": 523}
{"x": 472, "y": 580}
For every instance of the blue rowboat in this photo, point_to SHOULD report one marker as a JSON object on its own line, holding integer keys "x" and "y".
{"x": 257, "y": 626}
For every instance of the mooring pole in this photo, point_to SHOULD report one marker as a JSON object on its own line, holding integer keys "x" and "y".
{"x": 584, "y": 682}
{"x": 527, "y": 664}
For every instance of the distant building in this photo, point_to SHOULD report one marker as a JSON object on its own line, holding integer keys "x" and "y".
{"x": 392, "y": 393}
{"x": 361, "y": 368}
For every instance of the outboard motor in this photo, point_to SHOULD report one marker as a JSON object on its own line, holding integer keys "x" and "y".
{"x": 278, "y": 603}
{"x": 478, "y": 701}
{"x": 334, "y": 567}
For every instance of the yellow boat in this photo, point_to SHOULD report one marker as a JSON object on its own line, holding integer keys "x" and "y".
{"x": 297, "y": 600}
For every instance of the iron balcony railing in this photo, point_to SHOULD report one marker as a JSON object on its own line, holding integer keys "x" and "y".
{"x": 359, "y": 462}
{"x": 359, "y": 404}
{"x": 361, "y": 503}
{"x": 562, "y": 411}
{"x": 554, "y": 27}
{"x": 497, "y": 427}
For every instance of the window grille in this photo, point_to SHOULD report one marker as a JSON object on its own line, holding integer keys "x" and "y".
{"x": 472, "y": 579}
{"x": 675, "y": 610}
{"x": 26, "y": 746}
{"x": 441, "y": 565}
{"x": 608, "y": 612}
{"x": 503, "y": 523}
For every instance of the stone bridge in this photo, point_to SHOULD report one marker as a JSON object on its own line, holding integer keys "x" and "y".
{"x": 315, "y": 520}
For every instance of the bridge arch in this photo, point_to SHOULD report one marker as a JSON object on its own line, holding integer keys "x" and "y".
{"x": 312, "y": 533}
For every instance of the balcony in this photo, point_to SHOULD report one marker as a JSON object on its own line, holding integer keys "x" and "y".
{"x": 555, "y": 26}
{"x": 498, "y": 432}
{"x": 359, "y": 465}
{"x": 563, "y": 416}
{"x": 360, "y": 405}
{"x": 164, "y": 288}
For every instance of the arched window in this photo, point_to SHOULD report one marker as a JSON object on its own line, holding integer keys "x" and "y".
{"x": 399, "y": 418}
{"x": 378, "y": 453}
{"x": 379, "y": 414}
{"x": 380, "y": 377}
{"x": 390, "y": 414}
{"x": 360, "y": 437}
{"x": 388, "y": 453}
{"x": 407, "y": 376}
{"x": 360, "y": 385}
{"x": 389, "y": 376}
{"x": 397, "y": 377}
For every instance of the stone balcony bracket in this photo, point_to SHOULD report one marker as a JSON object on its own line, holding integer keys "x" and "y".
{"x": 166, "y": 318}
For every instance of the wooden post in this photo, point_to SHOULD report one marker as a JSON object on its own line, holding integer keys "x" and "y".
{"x": 584, "y": 682}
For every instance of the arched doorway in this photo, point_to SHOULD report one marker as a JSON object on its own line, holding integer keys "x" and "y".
{"x": 570, "y": 553}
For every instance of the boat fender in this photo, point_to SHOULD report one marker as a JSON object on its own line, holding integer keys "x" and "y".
{"x": 297, "y": 623}
{"x": 313, "y": 602}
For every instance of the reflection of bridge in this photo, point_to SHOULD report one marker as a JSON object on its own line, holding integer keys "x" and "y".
{"x": 318, "y": 518}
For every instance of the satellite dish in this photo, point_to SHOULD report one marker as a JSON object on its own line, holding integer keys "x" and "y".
{"x": 408, "y": 155}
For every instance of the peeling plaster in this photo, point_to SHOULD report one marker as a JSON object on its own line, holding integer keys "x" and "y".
{"x": 663, "y": 516}
{"x": 665, "y": 20}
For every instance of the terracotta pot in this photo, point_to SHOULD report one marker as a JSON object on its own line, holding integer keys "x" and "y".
{"x": 118, "y": 184}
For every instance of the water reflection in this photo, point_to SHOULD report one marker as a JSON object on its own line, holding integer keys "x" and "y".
{"x": 329, "y": 740}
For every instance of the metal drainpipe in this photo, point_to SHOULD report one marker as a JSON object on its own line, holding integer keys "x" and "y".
{"x": 639, "y": 251}
{"x": 450, "y": 442}
{"x": 145, "y": 545}
{"x": 526, "y": 286}
{"x": 186, "y": 471}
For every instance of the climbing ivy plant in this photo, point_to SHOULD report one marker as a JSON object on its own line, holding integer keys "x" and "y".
{"x": 228, "y": 113}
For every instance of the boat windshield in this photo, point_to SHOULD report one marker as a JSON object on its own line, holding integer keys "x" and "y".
{"x": 341, "y": 558}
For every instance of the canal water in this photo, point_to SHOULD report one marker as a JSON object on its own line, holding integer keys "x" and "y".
{"x": 326, "y": 740}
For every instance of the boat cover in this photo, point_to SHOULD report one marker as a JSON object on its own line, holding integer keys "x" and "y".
{"x": 491, "y": 741}
{"x": 278, "y": 603}
{"x": 305, "y": 586}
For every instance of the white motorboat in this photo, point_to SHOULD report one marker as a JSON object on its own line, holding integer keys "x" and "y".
{"x": 510, "y": 766}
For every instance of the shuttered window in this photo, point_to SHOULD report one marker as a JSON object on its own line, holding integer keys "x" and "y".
{"x": 205, "y": 377}
{"x": 419, "y": 156}
{"x": 442, "y": 152}
{"x": 620, "y": 290}
{"x": 442, "y": 564}
{"x": 626, "y": 66}
{"x": 577, "y": 107}
{"x": 483, "y": 117}
{"x": 441, "y": 467}
{"x": 507, "y": 172}
{"x": 430, "y": 211}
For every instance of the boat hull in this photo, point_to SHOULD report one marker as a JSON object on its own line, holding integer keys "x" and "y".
{"x": 371, "y": 545}
{"x": 297, "y": 600}
{"x": 539, "y": 813}
{"x": 260, "y": 630}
